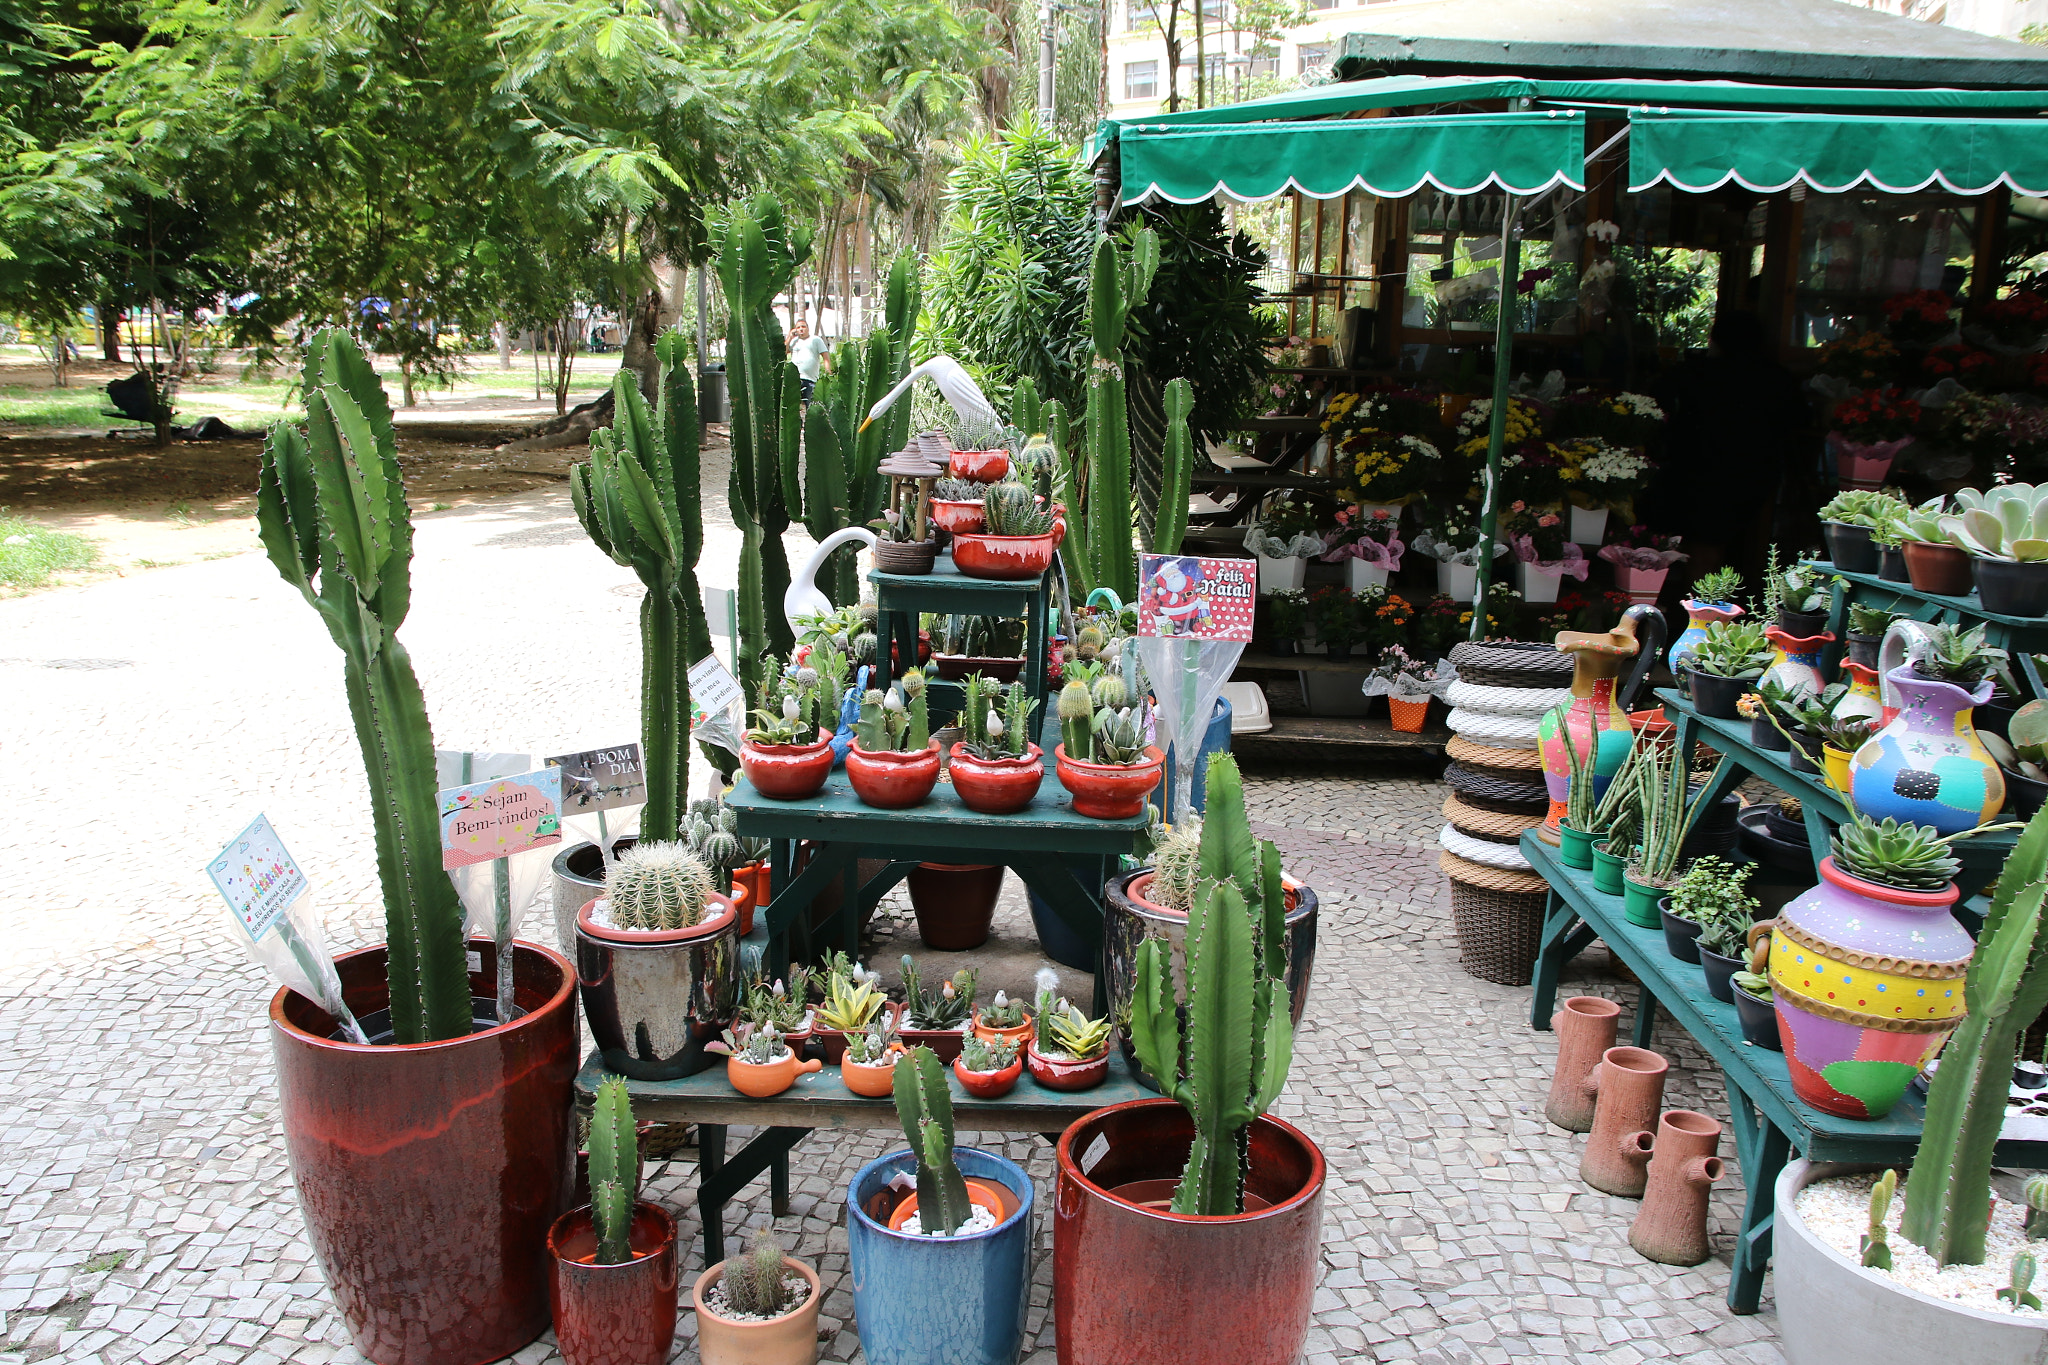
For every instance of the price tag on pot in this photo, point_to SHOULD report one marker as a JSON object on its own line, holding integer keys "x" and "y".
{"x": 1187, "y": 597}
{"x": 501, "y": 817}
{"x": 257, "y": 878}
{"x": 712, "y": 687}
{"x": 601, "y": 779}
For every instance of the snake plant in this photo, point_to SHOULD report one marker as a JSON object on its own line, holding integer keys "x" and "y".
{"x": 2008, "y": 522}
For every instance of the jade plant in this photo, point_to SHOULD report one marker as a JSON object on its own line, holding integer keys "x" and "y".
{"x": 1877, "y": 1254}
{"x": 332, "y": 515}
{"x": 1717, "y": 588}
{"x": 896, "y": 720}
{"x": 924, "y": 1106}
{"x": 614, "y": 1171}
{"x": 657, "y": 887}
{"x": 948, "y": 1007}
{"x": 1223, "y": 1050}
{"x": 759, "y": 1285}
{"x": 996, "y": 719}
{"x": 1732, "y": 649}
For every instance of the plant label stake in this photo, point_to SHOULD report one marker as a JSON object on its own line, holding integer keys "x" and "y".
{"x": 597, "y": 780}
{"x": 713, "y": 693}
{"x": 1194, "y": 620}
{"x": 266, "y": 895}
{"x": 489, "y": 824}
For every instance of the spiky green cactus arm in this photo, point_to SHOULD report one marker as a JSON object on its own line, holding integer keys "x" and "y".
{"x": 1177, "y": 464}
{"x": 614, "y": 1141}
{"x": 1947, "y": 1206}
{"x": 332, "y": 515}
{"x": 1219, "y": 1057}
{"x": 1025, "y": 410}
{"x": 611, "y": 1215}
{"x": 925, "y": 1109}
{"x": 1155, "y": 1018}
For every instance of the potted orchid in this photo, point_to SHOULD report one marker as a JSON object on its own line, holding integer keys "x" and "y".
{"x": 1367, "y": 542}
{"x": 1642, "y": 561}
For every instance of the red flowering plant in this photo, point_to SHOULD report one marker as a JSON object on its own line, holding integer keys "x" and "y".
{"x": 2034, "y": 371}
{"x": 1374, "y": 537}
{"x": 1920, "y": 318}
{"x": 1438, "y": 625}
{"x": 1534, "y": 532}
{"x": 1876, "y": 415}
{"x": 1967, "y": 365}
{"x": 2018, "y": 319}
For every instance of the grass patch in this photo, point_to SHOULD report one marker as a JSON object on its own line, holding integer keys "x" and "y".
{"x": 77, "y": 406}
{"x": 106, "y": 1260}
{"x": 29, "y": 553}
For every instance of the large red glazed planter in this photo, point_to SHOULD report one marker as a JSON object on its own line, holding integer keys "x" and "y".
{"x": 1142, "y": 1286}
{"x": 979, "y": 555}
{"x": 787, "y": 772}
{"x": 430, "y": 1173}
{"x": 621, "y": 1314}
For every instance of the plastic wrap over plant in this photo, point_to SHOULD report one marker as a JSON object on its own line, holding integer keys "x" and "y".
{"x": 294, "y": 950}
{"x": 1187, "y": 676}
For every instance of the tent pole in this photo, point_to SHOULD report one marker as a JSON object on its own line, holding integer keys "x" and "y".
{"x": 1496, "y": 432}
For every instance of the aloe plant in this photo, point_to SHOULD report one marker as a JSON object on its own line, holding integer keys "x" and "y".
{"x": 2008, "y": 522}
{"x": 331, "y": 512}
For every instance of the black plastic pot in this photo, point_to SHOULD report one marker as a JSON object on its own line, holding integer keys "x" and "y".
{"x": 1802, "y": 759}
{"x": 1765, "y": 735}
{"x": 1774, "y": 847}
{"x": 1759, "y": 1019}
{"x": 2023, "y": 795}
{"x": 1713, "y": 833}
{"x": 1862, "y": 649}
{"x": 1716, "y": 696}
{"x": 1851, "y": 547}
{"x": 1681, "y": 935}
{"x": 1996, "y": 715}
{"x": 1891, "y": 564}
{"x": 2013, "y": 589}
{"x": 1802, "y": 625}
{"x": 1719, "y": 970}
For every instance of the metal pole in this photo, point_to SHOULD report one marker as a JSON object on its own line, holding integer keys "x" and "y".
{"x": 1496, "y": 433}
{"x": 1048, "y": 56}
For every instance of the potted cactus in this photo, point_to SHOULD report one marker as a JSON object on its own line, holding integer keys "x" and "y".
{"x": 470, "y": 1118}
{"x": 787, "y": 753}
{"x": 1019, "y": 537}
{"x": 1156, "y": 1262}
{"x": 711, "y": 832}
{"x": 956, "y": 505}
{"x": 1066, "y": 1050}
{"x": 658, "y": 960}
{"x": 613, "y": 1291}
{"x": 758, "y": 1063}
{"x": 894, "y": 762}
{"x": 940, "y": 1019}
{"x": 988, "y": 1070}
{"x": 943, "y": 1274}
{"x": 2005, "y": 529}
{"x": 1003, "y": 1020}
{"x": 758, "y": 1309}
{"x": 853, "y": 999}
{"x": 868, "y": 1066}
{"x": 1102, "y": 757}
{"x": 995, "y": 767}
{"x": 786, "y": 1009}
{"x": 979, "y": 452}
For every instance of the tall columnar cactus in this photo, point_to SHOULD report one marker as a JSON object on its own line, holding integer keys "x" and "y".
{"x": 614, "y": 1171}
{"x": 331, "y": 511}
{"x": 1176, "y": 468}
{"x": 1027, "y": 413}
{"x": 638, "y": 499}
{"x": 1948, "y": 1193}
{"x": 1118, "y": 283}
{"x": 924, "y": 1107}
{"x": 1229, "y": 1066}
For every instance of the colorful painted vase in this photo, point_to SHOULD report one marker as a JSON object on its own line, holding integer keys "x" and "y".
{"x": 1698, "y": 616}
{"x": 1868, "y": 984}
{"x": 1926, "y": 765}
{"x": 1795, "y": 660}
{"x": 1597, "y": 659}
{"x": 1863, "y": 697}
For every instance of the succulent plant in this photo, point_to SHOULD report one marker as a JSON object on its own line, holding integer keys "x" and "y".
{"x": 957, "y": 490}
{"x": 996, "y": 719}
{"x": 1756, "y": 983}
{"x": 2008, "y": 522}
{"x": 1732, "y": 649}
{"x": 1955, "y": 655}
{"x": 1876, "y": 1253}
{"x": 851, "y": 999}
{"x": 800, "y": 706}
{"x": 980, "y": 433}
{"x": 1073, "y": 1033}
{"x": 895, "y": 720}
{"x": 1923, "y": 523}
{"x": 1891, "y": 853}
{"x": 2028, "y": 731}
{"x": 1802, "y": 588}
{"x": 1720, "y": 586}
{"x": 755, "y": 1046}
{"x": 1120, "y": 734}
{"x": 1869, "y": 620}
{"x": 2018, "y": 1293}
{"x": 2035, "y": 1192}
{"x": 947, "y": 1007}
{"x": 1002, "y": 1012}
{"x": 980, "y": 1054}
{"x": 1863, "y": 507}
{"x": 873, "y": 1045}
{"x": 924, "y": 1106}
{"x": 782, "y": 1008}
{"x": 614, "y": 1170}
{"x": 758, "y": 1284}
{"x": 1011, "y": 509}
{"x": 660, "y": 886}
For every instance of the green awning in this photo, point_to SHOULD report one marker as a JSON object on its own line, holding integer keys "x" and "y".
{"x": 1392, "y": 157}
{"x": 1701, "y": 150}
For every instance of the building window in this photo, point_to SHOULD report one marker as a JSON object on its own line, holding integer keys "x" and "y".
{"x": 1322, "y": 4}
{"x": 1141, "y": 14}
{"x": 1141, "y": 80}
{"x": 1214, "y": 61}
{"x": 1265, "y": 64}
{"x": 1312, "y": 57}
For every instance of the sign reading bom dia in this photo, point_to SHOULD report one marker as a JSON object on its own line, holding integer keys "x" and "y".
{"x": 257, "y": 878}
{"x": 1186, "y": 597}
{"x": 501, "y": 817}
{"x": 601, "y": 779}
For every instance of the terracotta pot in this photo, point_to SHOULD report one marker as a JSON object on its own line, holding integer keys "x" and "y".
{"x": 1001, "y": 786}
{"x": 1628, "y": 1086}
{"x": 1057, "y": 1073}
{"x": 982, "y": 466}
{"x": 791, "y": 1339}
{"x": 755, "y": 877}
{"x": 1671, "y": 1227}
{"x": 621, "y": 1314}
{"x": 655, "y": 998}
{"x": 959, "y": 667}
{"x": 955, "y": 903}
{"x": 980, "y": 555}
{"x": 989, "y": 1085}
{"x": 1017, "y": 1036}
{"x": 874, "y": 1081}
{"x": 436, "y": 1249}
{"x": 982, "y": 1194}
{"x": 742, "y": 909}
{"x": 1144, "y": 1286}
{"x": 1585, "y": 1026}
{"x": 762, "y": 1080}
{"x": 1108, "y": 791}
{"x": 957, "y": 517}
{"x": 787, "y": 772}
{"x": 893, "y": 779}
{"x": 945, "y": 1043}
{"x": 832, "y": 1041}
{"x": 1943, "y": 570}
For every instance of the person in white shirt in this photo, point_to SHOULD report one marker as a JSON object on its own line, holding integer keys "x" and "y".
{"x": 812, "y": 356}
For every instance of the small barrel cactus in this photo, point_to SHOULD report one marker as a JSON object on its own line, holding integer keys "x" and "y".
{"x": 757, "y": 1284}
{"x": 658, "y": 886}
{"x": 1176, "y": 863}
{"x": 1011, "y": 509}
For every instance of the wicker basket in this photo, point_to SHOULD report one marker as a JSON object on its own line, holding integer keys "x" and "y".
{"x": 1481, "y": 823}
{"x": 1498, "y": 917}
{"x": 1512, "y": 664}
{"x": 1514, "y": 765}
{"x": 1494, "y": 793}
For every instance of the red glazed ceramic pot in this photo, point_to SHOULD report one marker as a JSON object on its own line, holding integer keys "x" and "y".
{"x": 979, "y": 555}
{"x": 945, "y": 1043}
{"x": 892, "y": 779}
{"x": 1138, "y": 1285}
{"x": 982, "y": 466}
{"x": 957, "y": 517}
{"x": 955, "y": 903}
{"x": 989, "y": 1085}
{"x": 1056, "y": 1073}
{"x": 614, "y": 1314}
{"x": 787, "y": 772}
{"x": 1109, "y": 791}
{"x": 1001, "y": 786}
{"x": 429, "y": 1173}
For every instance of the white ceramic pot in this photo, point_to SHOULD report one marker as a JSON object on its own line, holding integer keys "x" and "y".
{"x": 1536, "y": 585}
{"x": 1359, "y": 574}
{"x": 1281, "y": 575}
{"x": 1457, "y": 581}
{"x": 1587, "y": 527}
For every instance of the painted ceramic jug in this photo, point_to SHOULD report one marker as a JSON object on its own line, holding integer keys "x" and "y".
{"x": 1863, "y": 697}
{"x": 1698, "y": 616}
{"x": 1868, "y": 985}
{"x": 1597, "y": 663}
{"x": 1927, "y": 765}
{"x": 1795, "y": 660}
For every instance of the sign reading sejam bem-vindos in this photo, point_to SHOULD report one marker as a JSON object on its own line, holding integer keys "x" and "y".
{"x": 501, "y": 817}
{"x": 1190, "y": 598}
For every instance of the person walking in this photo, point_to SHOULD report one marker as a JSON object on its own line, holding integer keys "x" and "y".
{"x": 811, "y": 355}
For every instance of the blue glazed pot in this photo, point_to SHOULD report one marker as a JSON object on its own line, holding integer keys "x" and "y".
{"x": 1060, "y": 943}
{"x": 920, "y": 1300}
{"x": 1215, "y": 740}
{"x": 1927, "y": 766}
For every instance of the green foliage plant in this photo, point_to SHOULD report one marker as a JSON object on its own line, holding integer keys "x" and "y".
{"x": 1869, "y": 620}
{"x": 1718, "y": 587}
{"x": 1732, "y": 649}
{"x": 924, "y": 1106}
{"x": 614, "y": 1171}
{"x": 1958, "y": 656}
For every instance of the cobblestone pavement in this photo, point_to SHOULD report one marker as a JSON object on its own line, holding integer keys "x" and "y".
{"x": 148, "y": 1211}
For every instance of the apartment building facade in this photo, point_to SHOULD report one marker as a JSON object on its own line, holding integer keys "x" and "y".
{"x": 1240, "y": 62}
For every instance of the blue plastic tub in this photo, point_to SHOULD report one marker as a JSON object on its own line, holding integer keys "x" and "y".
{"x": 926, "y": 1300}
{"x": 1215, "y": 740}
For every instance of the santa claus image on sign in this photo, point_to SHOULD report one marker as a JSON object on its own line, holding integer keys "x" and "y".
{"x": 1174, "y": 592}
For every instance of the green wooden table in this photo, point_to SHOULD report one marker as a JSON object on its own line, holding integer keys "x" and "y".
{"x": 899, "y": 598}
{"x": 2019, "y": 636}
{"x": 1769, "y": 1123}
{"x": 821, "y": 1100}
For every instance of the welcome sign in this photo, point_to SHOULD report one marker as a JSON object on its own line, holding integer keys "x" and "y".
{"x": 257, "y": 878}
{"x": 501, "y": 817}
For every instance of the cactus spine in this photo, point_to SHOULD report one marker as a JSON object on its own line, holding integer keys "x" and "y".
{"x": 1947, "y": 1198}
{"x": 925, "y": 1108}
{"x": 1229, "y": 1066}
{"x": 660, "y": 886}
{"x": 614, "y": 1171}
{"x": 638, "y": 499}
{"x": 330, "y": 506}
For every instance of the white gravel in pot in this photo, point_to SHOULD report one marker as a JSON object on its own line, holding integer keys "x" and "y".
{"x": 1838, "y": 1211}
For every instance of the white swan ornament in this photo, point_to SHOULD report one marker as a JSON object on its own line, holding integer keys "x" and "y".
{"x": 803, "y": 597}
{"x": 956, "y": 386}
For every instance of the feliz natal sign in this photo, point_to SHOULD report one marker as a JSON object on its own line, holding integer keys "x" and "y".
{"x": 501, "y": 817}
{"x": 1186, "y": 597}
{"x": 257, "y": 878}
{"x": 601, "y": 779}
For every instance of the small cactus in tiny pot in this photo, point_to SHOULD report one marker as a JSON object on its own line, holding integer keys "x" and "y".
{"x": 759, "y": 1285}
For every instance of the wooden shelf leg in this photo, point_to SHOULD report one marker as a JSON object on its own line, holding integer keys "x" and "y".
{"x": 1762, "y": 1149}
{"x": 1646, "y": 1016}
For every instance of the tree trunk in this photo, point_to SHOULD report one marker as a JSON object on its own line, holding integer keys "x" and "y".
{"x": 644, "y": 327}
{"x": 573, "y": 428}
{"x": 110, "y": 333}
{"x": 504, "y": 331}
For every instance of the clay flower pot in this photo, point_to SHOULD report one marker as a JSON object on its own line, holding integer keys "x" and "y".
{"x": 977, "y": 554}
{"x": 874, "y": 1081}
{"x": 654, "y": 998}
{"x": 982, "y": 466}
{"x": 1943, "y": 570}
{"x": 761, "y": 1080}
{"x": 955, "y": 903}
{"x": 983, "y": 1194}
{"x": 1585, "y": 1026}
{"x": 621, "y": 1314}
{"x": 1001, "y": 786}
{"x": 1110, "y": 791}
{"x": 787, "y": 772}
{"x": 989, "y": 1085}
{"x": 1059, "y": 1073}
{"x": 1016, "y": 1036}
{"x": 893, "y": 779}
{"x": 945, "y": 1043}
{"x": 954, "y": 518}
{"x": 832, "y": 1041}
{"x": 958, "y": 667}
{"x": 1628, "y": 1086}
{"x": 1671, "y": 1227}
{"x": 791, "y": 1339}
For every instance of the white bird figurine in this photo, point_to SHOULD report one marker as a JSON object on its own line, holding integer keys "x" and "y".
{"x": 803, "y": 597}
{"x": 954, "y": 383}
